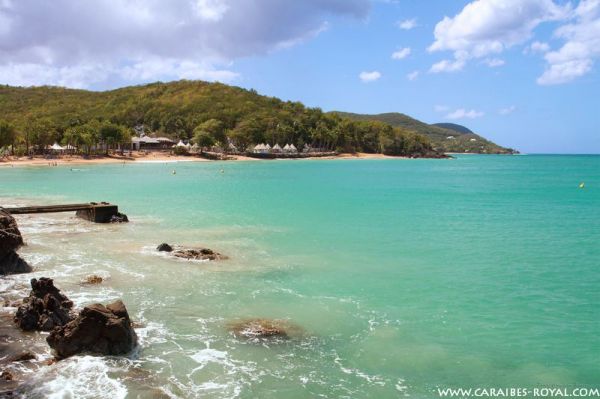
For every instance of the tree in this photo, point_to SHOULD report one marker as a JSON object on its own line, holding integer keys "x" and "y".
{"x": 111, "y": 134}
{"x": 8, "y": 134}
{"x": 204, "y": 139}
{"x": 213, "y": 128}
{"x": 209, "y": 133}
{"x": 41, "y": 133}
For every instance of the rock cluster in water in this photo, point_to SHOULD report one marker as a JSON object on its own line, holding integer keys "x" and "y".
{"x": 98, "y": 329}
{"x": 10, "y": 241}
{"x": 191, "y": 253}
{"x": 45, "y": 307}
{"x": 262, "y": 329}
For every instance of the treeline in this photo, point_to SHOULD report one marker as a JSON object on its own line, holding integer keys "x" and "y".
{"x": 206, "y": 113}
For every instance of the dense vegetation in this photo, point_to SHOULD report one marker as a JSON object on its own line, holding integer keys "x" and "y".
{"x": 462, "y": 139}
{"x": 455, "y": 127}
{"x": 207, "y": 113}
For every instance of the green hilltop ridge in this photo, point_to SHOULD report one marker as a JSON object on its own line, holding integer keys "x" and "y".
{"x": 453, "y": 126}
{"x": 32, "y": 118}
{"x": 445, "y": 137}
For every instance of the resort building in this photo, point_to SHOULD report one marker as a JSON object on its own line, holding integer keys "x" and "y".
{"x": 151, "y": 143}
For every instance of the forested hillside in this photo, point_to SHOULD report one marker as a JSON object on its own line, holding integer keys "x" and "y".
{"x": 203, "y": 112}
{"x": 446, "y": 137}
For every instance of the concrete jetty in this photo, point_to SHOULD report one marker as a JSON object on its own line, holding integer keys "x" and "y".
{"x": 97, "y": 212}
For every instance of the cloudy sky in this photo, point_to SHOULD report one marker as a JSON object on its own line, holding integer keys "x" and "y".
{"x": 521, "y": 72}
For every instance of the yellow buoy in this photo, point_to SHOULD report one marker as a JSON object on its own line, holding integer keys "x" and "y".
{"x": 582, "y": 185}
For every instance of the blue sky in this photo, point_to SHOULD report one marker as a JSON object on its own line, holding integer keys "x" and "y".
{"x": 520, "y": 72}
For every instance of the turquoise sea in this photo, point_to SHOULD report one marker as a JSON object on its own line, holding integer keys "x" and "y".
{"x": 404, "y": 275}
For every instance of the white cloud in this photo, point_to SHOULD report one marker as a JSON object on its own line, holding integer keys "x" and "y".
{"x": 367, "y": 77}
{"x": 441, "y": 108}
{"x": 487, "y": 27}
{"x": 576, "y": 57}
{"x": 537, "y": 47}
{"x": 407, "y": 24}
{"x": 211, "y": 10}
{"x": 494, "y": 62}
{"x": 507, "y": 110}
{"x": 107, "y": 43}
{"x": 413, "y": 75}
{"x": 402, "y": 53}
{"x": 462, "y": 113}
{"x": 447, "y": 66}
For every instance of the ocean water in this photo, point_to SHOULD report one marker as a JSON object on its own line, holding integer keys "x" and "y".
{"x": 404, "y": 276}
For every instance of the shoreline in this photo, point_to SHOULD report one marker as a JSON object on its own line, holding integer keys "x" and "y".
{"x": 139, "y": 158}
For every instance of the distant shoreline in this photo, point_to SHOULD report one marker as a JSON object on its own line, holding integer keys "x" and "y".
{"x": 140, "y": 158}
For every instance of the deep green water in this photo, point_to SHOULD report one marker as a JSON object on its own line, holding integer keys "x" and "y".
{"x": 405, "y": 275}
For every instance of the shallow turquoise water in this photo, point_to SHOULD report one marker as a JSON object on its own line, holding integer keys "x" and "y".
{"x": 405, "y": 275}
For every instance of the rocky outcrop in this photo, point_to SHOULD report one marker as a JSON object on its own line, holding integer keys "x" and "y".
{"x": 164, "y": 247}
{"x": 191, "y": 253}
{"x": 119, "y": 218}
{"x": 45, "y": 307}
{"x": 262, "y": 329}
{"x": 10, "y": 241}
{"x": 198, "y": 254}
{"x": 98, "y": 329}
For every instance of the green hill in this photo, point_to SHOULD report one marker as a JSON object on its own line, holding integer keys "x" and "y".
{"x": 446, "y": 137}
{"x": 207, "y": 113}
{"x": 453, "y": 126}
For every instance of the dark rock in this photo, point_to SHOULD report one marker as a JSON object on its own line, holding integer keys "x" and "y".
{"x": 164, "y": 247}
{"x": 12, "y": 303}
{"x": 10, "y": 241}
{"x": 198, "y": 254}
{"x": 22, "y": 357}
{"x": 261, "y": 329}
{"x": 12, "y": 263}
{"x": 98, "y": 329}
{"x": 92, "y": 279}
{"x": 6, "y": 375}
{"x": 10, "y": 236}
{"x": 45, "y": 307}
{"x": 119, "y": 218}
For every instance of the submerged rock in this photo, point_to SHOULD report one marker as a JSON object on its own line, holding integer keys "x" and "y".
{"x": 261, "y": 329}
{"x": 45, "y": 307}
{"x": 191, "y": 253}
{"x": 198, "y": 254}
{"x": 22, "y": 357}
{"x": 98, "y": 329}
{"x": 6, "y": 375}
{"x": 10, "y": 241}
{"x": 164, "y": 247}
{"x": 119, "y": 218}
{"x": 92, "y": 279}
